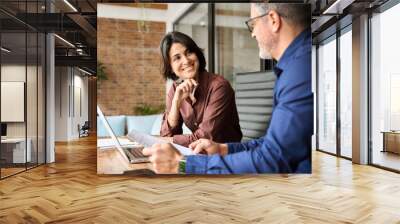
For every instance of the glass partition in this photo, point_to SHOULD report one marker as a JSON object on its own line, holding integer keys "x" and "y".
{"x": 195, "y": 24}
{"x": 235, "y": 50}
{"x": 22, "y": 88}
{"x": 13, "y": 89}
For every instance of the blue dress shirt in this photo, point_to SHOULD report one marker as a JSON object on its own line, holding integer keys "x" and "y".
{"x": 286, "y": 146}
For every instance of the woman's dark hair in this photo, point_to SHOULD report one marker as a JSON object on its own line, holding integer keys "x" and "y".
{"x": 185, "y": 40}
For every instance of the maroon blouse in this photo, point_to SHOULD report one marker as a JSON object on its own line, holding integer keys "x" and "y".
{"x": 213, "y": 116}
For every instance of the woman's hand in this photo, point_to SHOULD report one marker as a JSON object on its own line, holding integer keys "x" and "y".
{"x": 184, "y": 90}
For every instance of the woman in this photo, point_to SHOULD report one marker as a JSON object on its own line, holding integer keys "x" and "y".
{"x": 205, "y": 102}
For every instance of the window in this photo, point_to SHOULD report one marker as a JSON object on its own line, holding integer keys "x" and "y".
{"x": 346, "y": 93}
{"x": 327, "y": 96}
{"x": 195, "y": 24}
{"x": 219, "y": 29}
{"x": 236, "y": 51}
{"x": 385, "y": 89}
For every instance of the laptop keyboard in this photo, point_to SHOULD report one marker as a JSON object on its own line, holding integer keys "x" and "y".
{"x": 137, "y": 152}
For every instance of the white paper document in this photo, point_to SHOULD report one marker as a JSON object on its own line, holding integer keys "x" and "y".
{"x": 148, "y": 140}
{"x": 109, "y": 143}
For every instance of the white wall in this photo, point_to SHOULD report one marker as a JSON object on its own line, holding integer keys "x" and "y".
{"x": 61, "y": 103}
{"x": 131, "y": 13}
{"x": 175, "y": 10}
{"x": 84, "y": 85}
{"x": 70, "y": 83}
{"x": 81, "y": 103}
{"x": 14, "y": 73}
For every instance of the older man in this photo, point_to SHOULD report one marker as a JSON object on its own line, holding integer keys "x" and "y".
{"x": 283, "y": 33}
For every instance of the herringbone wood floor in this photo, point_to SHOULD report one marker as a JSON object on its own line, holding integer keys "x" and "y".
{"x": 70, "y": 191}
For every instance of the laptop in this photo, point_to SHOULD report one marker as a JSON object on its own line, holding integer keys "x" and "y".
{"x": 131, "y": 153}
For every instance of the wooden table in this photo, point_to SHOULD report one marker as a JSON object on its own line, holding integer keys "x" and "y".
{"x": 110, "y": 161}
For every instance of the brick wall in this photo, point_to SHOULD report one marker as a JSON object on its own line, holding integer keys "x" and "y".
{"x": 132, "y": 60}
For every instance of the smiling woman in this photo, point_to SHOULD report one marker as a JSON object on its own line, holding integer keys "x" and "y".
{"x": 205, "y": 102}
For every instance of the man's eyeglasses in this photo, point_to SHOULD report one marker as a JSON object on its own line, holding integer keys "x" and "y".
{"x": 250, "y": 22}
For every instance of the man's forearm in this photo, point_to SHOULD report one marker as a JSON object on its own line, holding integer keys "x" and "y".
{"x": 257, "y": 160}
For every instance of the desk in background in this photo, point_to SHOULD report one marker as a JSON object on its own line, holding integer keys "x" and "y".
{"x": 13, "y": 150}
{"x": 391, "y": 141}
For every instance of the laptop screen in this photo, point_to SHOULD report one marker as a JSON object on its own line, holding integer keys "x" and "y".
{"x": 111, "y": 133}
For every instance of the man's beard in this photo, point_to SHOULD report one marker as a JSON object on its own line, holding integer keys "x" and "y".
{"x": 264, "y": 54}
{"x": 265, "y": 51}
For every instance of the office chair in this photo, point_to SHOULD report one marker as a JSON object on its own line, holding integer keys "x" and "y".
{"x": 84, "y": 130}
{"x": 254, "y": 93}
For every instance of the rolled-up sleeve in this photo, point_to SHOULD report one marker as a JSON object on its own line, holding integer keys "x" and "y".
{"x": 216, "y": 114}
{"x": 166, "y": 129}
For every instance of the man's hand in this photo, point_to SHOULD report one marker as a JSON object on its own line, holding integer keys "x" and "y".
{"x": 209, "y": 147}
{"x": 164, "y": 158}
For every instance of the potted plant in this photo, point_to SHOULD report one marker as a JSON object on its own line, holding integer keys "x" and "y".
{"x": 101, "y": 73}
{"x": 145, "y": 109}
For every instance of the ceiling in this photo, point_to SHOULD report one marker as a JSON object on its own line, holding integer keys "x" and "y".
{"x": 330, "y": 16}
{"x": 72, "y": 20}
